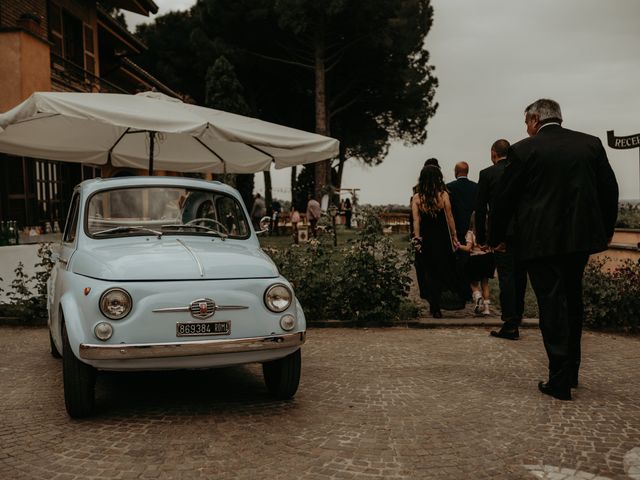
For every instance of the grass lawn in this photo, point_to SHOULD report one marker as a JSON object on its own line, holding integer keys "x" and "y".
{"x": 400, "y": 240}
{"x": 530, "y": 302}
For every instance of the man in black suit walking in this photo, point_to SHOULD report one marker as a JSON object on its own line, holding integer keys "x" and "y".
{"x": 463, "y": 199}
{"x": 512, "y": 277}
{"x": 563, "y": 196}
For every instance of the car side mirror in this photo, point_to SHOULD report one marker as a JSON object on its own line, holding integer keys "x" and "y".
{"x": 264, "y": 224}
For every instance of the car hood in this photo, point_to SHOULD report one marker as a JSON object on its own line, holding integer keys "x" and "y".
{"x": 172, "y": 258}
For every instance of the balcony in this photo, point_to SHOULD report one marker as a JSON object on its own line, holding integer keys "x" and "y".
{"x": 68, "y": 76}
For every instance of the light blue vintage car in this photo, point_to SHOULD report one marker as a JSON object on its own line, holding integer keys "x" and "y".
{"x": 160, "y": 273}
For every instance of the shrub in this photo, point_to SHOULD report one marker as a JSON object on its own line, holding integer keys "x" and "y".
{"x": 374, "y": 276}
{"x": 628, "y": 216}
{"x": 612, "y": 297}
{"x": 365, "y": 281}
{"x": 309, "y": 268}
{"x": 30, "y": 308}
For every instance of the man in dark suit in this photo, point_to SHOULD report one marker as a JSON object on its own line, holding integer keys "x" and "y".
{"x": 463, "y": 199}
{"x": 512, "y": 277}
{"x": 563, "y": 196}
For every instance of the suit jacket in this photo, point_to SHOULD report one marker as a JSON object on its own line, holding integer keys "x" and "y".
{"x": 463, "y": 200}
{"x": 561, "y": 192}
{"x": 487, "y": 191}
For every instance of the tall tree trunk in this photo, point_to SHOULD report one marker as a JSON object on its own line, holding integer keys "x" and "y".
{"x": 268, "y": 198}
{"x": 244, "y": 184}
{"x": 294, "y": 178}
{"x": 340, "y": 172}
{"x": 342, "y": 157}
{"x": 322, "y": 168}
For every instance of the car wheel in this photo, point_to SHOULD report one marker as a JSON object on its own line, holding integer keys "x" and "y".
{"x": 52, "y": 347}
{"x": 282, "y": 376}
{"x": 79, "y": 382}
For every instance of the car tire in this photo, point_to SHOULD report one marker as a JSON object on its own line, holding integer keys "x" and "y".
{"x": 52, "y": 347}
{"x": 282, "y": 376}
{"x": 79, "y": 382}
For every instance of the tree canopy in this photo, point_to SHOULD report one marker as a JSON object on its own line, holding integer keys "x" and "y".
{"x": 358, "y": 71}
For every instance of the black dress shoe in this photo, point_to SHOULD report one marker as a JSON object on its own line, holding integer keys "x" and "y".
{"x": 507, "y": 334}
{"x": 555, "y": 392}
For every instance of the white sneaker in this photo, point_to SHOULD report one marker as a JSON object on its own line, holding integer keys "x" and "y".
{"x": 477, "y": 310}
{"x": 486, "y": 310}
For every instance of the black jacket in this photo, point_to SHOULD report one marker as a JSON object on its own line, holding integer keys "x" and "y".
{"x": 487, "y": 191}
{"x": 561, "y": 192}
{"x": 463, "y": 200}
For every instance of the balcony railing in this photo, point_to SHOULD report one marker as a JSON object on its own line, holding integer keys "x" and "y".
{"x": 76, "y": 78}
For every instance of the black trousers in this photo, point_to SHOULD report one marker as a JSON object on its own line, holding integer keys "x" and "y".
{"x": 512, "y": 279}
{"x": 557, "y": 283}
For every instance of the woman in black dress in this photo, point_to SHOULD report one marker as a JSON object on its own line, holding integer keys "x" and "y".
{"x": 434, "y": 235}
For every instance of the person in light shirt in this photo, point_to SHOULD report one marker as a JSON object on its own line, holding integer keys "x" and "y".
{"x": 313, "y": 215}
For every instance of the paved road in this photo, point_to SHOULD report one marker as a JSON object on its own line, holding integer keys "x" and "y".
{"x": 373, "y": 404}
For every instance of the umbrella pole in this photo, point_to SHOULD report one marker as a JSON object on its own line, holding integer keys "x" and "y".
{"x": 152, "y": 138}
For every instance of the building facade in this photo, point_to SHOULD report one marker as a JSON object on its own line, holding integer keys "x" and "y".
{"x": 65, "y": 46}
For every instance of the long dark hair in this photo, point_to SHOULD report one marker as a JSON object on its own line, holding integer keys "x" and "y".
{"x": 430, "y": 186}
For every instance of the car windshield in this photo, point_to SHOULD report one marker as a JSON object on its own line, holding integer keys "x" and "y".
{"x": 164, "y": 211}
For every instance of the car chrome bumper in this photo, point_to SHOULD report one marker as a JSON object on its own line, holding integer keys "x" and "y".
{"x": 186, "y": 349}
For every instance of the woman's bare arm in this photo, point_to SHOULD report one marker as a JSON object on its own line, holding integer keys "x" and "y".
{"x": 415, "y": 211}
{"x": 449, "y": 215}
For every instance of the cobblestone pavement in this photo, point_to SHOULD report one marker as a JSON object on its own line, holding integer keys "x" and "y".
{"x": 380, "y": 403}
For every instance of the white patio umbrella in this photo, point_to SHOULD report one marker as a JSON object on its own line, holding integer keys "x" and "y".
{"x": 152, "y": 130}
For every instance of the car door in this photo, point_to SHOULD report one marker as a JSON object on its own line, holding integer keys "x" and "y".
{"x": 61, "y": 256}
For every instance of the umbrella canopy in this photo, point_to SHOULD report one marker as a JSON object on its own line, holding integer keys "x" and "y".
{"x": 152, "y": 130}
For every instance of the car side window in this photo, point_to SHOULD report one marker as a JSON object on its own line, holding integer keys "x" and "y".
{"x": 230, "y": 214}
{"x": 71, "y": 227}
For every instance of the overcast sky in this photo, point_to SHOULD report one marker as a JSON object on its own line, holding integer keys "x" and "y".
{"x": 492, "y": 59}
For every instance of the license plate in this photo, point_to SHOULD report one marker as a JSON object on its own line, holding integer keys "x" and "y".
{"x": 202, "y": 329}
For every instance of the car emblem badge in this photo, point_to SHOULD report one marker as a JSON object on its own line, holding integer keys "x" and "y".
{"x": 202, "y": 308}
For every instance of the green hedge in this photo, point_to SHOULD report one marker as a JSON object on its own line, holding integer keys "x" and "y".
{"x": 25, "y": 308}
{"x": 628, "y": 216}
{"x": 365, "y": 281}
{"x": 612, "y": 296}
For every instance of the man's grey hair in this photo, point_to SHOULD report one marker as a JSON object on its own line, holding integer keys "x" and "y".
{"x": 545, "y": 109}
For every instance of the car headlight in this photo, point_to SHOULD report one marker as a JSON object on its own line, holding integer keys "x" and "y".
{"x": 288, "y": 322}
{"x": 278, "y": 297}
{"x": 115, "y": 303}
{"x": 103, "y": 331}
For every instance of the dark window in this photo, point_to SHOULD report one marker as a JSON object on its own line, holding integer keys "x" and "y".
{"x": 89, "y": 56}
{"x": 71, "y": 228}
{"x": 230, "y": 215}
{"x": 34, "y": 192}
{"x": 55, "y": 28}
{"x": 73, "y": 38}
{"x": 17, "y": 190}
{"x": 89, "y": 171}
{"x": 48, "y": 189}
{"x": 88, "y": 39}
{"x": 70, "y": 40}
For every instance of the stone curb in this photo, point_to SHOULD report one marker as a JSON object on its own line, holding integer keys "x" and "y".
{"x": 425, "y": 322}
{"x": 466, "y": 322}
